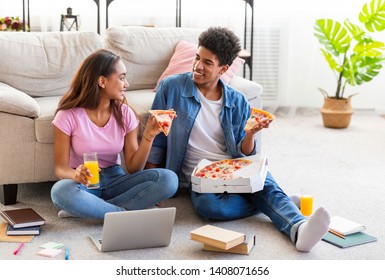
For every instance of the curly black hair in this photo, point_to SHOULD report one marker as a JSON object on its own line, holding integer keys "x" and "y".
{"x": 222, "y": 42}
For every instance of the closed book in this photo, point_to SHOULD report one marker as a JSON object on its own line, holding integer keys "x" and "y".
{"x": 217, "y": 237}
{"x": 244, "y": 248}
{"x": 345, "y": 226}
{"x": 25, "y": 217}
{"x": 350, "y": 240}
{"x": 35, "y": 230}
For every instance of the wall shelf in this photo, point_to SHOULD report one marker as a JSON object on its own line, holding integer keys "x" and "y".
{"x": 177, "y": 13}
{"x": 98, "y": 13}
{"x": 26, "y": 24}
{"x": 26, "y": 15}
{"x": 247, "y": 52}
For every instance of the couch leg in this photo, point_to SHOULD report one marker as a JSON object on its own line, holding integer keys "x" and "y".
{"x": 8, "y": 194}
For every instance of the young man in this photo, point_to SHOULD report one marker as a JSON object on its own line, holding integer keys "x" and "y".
{"x": 210, "y": 122}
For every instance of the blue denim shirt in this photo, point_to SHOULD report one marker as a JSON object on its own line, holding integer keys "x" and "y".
{"x": 179, "y": 92}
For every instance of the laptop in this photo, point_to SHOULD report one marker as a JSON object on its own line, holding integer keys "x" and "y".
{"x": 136, "y": 229}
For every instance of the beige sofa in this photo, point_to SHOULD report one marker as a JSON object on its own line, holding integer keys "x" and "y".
{"x": 35, "y": 71}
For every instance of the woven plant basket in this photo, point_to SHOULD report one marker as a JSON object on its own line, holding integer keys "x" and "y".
{"x": 336, "y": 113}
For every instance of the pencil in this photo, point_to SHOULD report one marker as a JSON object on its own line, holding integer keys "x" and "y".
{"x": 336, "y": 233}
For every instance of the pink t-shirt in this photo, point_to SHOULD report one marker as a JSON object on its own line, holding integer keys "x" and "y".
{"x": 107, "y": 141}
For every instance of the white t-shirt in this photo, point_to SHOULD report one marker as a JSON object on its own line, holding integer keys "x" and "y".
{"x": 206, "y": 138}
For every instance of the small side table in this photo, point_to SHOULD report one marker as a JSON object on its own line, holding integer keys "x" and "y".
{"x": 246, "y": 55}
{"x": 69, "y": 21}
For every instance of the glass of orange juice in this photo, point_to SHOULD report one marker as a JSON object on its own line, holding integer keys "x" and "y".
{"x": 306, "y": 203}
{"x": 91, "y": 162}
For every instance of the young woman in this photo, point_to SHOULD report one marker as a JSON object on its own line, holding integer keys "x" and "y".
{"x": 94, "y": 117}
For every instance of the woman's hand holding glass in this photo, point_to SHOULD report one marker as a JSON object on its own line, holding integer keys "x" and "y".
{"x": 81, "y": 173}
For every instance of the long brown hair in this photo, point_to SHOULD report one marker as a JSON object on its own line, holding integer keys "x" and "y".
{"x": 84, "y": 90}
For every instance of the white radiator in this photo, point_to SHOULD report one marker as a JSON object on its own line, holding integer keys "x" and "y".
{"x": 267, "y": 58}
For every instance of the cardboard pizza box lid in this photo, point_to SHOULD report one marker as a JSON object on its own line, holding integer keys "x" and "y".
{"x": 252, "y": 178}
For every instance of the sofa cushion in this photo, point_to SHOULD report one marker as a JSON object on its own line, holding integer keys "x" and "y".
{"x": 139, "y": 100}
{"x": 15, "y": 102}
{"x": 43, "y": 124}
{"x": 146, "y": 51}
{"x": 250, "y": 89}
{"x": 49, "y": 62}
{"x": 181, "y": 61}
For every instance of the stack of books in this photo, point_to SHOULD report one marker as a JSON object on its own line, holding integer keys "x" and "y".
{"x": 345, "y": 233}
{"x": 24, "y": 221}
{"x": 223, "y": 240}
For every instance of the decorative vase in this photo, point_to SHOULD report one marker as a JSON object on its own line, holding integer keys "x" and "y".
{"x": 336, "y": 113}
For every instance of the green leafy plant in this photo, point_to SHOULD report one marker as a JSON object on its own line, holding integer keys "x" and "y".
{"x": 350, "y": 51}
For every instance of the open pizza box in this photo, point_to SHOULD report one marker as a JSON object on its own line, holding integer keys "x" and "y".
{"x": 249, "y": 179}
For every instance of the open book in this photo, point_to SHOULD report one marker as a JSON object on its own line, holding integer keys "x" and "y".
{"x": 345, "y": 226}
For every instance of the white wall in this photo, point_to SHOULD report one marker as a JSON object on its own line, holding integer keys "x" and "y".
{"x": 303, "y": 69}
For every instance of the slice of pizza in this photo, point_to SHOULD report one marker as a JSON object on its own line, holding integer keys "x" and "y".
{"x": 164, "y": 119}
{"x": 256, "y": 115}
{"x": 222, "y": 169}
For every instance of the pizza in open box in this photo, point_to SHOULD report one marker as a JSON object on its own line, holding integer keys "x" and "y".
{"x": 222, "y": 169}
{"x": 256, "y": 115}
{"x": 164, "y": 119}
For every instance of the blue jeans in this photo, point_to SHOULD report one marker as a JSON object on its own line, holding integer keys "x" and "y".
{"x": 118, "y": 191}
{"x": 271, "y": 201}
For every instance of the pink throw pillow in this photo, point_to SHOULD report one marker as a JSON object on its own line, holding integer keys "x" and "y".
{"x": 182, "y": 59}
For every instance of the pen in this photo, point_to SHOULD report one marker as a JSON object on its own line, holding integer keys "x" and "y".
{"x": 336, "y": 233}
{"x": 67, "y": 253}
{"x": 18, "y": 248}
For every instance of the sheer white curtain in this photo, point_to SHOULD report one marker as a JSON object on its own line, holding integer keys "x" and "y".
{"x": 161, "y": 13}
{"x": 195, "y": 13}
{"x": 205, "y": 13}
{"x": 290, "y": 66}
{"x": 45, "y": 15}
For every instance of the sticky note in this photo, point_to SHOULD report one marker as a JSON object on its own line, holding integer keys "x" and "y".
{"x": 52, "y": 245}
{"x": 50, "y": 252}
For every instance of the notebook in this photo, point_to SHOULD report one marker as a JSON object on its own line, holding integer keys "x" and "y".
{"x": 24, "y": 217}
{"x": 345, "y": 226}
{"x": 350, "y": 240}
{"x": 136, "y": 229}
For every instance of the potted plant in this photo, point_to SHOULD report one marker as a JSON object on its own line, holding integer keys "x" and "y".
{"x": 353, "y": 56}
